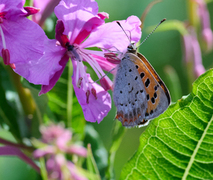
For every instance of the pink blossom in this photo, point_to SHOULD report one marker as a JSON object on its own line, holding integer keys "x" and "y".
{"x": 80, "y": 26}
{"x": 57, "y": 139}
{"x": 51, "y": 134}
{"x": 207, "y": 33}
{"x": 193, "y": 52}
{"x": 56, "y": 143}
{"x": 21, "y": 39}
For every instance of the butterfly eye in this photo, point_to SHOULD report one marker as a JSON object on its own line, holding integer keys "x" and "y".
{"x": 69, "y": 46}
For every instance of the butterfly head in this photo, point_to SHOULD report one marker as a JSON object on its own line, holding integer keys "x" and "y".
{"x": 132, "y": 48}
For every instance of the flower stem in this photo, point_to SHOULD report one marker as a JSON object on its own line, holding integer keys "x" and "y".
{"x": 69, "y": 94}
{"x": 43, "y": 169}
{"x": 117, "y": 136}
{"x": 21, "y": 146}
{"x": 192, "y": 14}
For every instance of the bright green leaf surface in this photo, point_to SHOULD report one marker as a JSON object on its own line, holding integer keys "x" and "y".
{"x": 179, "y": 143}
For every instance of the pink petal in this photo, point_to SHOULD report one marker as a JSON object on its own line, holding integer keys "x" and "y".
{"x": 31, "y": 10}
{"x": 111, "y": 35}
{"x": 55, "y": 76}
{"x": 43, "y": 70}
{"x": 103, "y": 15}
{"x": 88, "y": 27}
{"x": 26, "y": 45}
{"x": 97, "y": 108}
{"x": 75, "y": 14}
{"x": 78, "y": 150}
{"x": 52, "y": 132}
{"x": 12, "y": 8}
{"x": 59, "y": 30}
{"x": 63, "y": 139}
{"x": 23, "y": 43}
{"x": 45, "y": 151}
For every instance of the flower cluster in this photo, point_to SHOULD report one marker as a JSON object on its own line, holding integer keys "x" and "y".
{"x": 80, "y": 26}
{"x": 56, "y": 143}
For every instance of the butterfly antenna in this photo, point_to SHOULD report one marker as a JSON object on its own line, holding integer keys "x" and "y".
{"x": 153, "y": 30}
{"x": 124, "y": 31}
{"x": 105, "y": 75}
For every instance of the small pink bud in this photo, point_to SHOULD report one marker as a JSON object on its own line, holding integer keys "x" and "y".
{"x": 105, "y": 84}
{"x": 103, "y": 15}
{"x": 6, "y": 56}
{"x": 94, "y": 92}
{"x": 87, "y": 96}
{"x": 12, "y": 65}
{"x": 31, "y": 10}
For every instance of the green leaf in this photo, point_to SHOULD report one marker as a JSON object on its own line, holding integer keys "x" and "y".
{"x": 91, "y": 165}
{"x": 179, "y": 143}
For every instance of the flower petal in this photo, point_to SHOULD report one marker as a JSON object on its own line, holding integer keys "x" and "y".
{"x": 55, "y": 76}
{"x": 43, "y": 70}
{"x": 23, "y": 43}
{"x": 97, "y": 108}
{"x": 75, "y": 14}
{"x": 12, "y": 8}
{"x": 78, "y": 150}
{"x": 87, "y": 29}
{"x": 111, "y": 35}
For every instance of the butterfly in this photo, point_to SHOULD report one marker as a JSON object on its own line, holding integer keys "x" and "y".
{"x": 138, "y": 93}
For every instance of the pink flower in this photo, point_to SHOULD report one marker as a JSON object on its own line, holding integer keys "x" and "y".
{"x": 21, "y": 39}
{"x": 58, "y": 140}
{"x": 207, "y": 33}
{"x": 193, "y": 52}
{"x": 80, "y": 26}
{"x": 56, "y": 143}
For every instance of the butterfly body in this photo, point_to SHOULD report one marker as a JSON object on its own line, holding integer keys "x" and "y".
{"x": 139, "y": 94}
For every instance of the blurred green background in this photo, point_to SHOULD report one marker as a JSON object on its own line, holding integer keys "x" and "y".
{"x": 162, "y": 49}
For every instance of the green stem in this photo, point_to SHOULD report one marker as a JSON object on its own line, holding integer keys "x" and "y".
{"x": 117, "y": 136}
{"x": 192, "y": 14}
{"x": 43, "y": 169}
{"x": 69, "y": 94}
